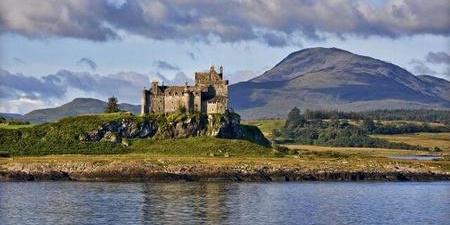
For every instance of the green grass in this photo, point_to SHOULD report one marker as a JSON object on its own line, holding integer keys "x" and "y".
{"x": 199, "y": 146}
{"x": 60, "y": 138}
{"x": 9, "y": 126}
{"x": 266, "y": 125}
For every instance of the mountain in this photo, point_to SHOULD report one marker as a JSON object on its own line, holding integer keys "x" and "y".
{"x": 76, "y": 107}
{"x": 11, "y": 116}
{"x": 438, "y": 86}
{"x": 331, "y": 78}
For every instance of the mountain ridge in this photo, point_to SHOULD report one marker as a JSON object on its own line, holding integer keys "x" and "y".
{"x": 331, "y": 78}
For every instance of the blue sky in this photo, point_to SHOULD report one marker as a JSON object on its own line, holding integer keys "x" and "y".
{"x": 53, "y": 45}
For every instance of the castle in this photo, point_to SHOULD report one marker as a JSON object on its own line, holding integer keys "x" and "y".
{"x": 208, "y": 95}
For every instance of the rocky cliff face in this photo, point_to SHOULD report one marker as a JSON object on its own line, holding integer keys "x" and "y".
{"x": 225, "y": 125}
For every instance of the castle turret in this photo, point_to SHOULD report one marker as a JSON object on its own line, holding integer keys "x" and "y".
{"x": 154, "y": 87}
{"x": 145, "y": 102}
{"x": 188, "y": 99}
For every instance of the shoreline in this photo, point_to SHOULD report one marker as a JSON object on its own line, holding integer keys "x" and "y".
{"x": 232, "y": 177}
{"x": 235, "y": 173}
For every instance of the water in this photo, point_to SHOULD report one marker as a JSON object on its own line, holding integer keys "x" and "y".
{"x": 416, "y": 157}
{"x": 224, "y": 203}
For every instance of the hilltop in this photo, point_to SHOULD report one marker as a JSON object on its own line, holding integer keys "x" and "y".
{"x": 78, "y": 106}
{"x": 118, "y": 132}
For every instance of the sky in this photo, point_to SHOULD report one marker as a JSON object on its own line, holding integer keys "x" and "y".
{"x": 52, "y": 51}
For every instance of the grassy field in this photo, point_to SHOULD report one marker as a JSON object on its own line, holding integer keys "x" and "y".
{"x": 310, "y": 159}
{"x": 440, "y": 140}
{"x": 199, "y": 146}
{"x": 355, "y": 151}
{"x": 266, "y": 126}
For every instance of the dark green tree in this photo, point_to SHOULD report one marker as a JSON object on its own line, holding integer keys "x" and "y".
{"x": 368, "y": 125}
{"x": 112, "y": 105}
{"x": 295, "y": 119}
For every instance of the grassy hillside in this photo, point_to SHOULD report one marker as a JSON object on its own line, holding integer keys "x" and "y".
{"x": 9, "y": 126}
{"x": 62, "y": 137}
{"x": 266, "y": 125}
{"x": 199, "y": 146}
{"x": 59, "y": 138}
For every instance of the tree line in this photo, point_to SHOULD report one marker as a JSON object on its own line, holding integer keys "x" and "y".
{"x": 422, "y": 115}
{"x": 304, "y": 129}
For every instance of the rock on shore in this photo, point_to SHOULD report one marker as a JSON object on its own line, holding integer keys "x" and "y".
{"x": 162, "y": 170}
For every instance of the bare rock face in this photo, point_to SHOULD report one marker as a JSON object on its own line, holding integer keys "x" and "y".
{"x": 146, "y": 129}
{"x": 111, "y": 137}
{"x": 225, "y": 125}
{"x": 188, "y": 128}
{"x": 126, "y": 128}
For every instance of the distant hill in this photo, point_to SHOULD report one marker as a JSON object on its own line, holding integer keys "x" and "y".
{"x": 76, "y": 107}
{"x": 11, "y": 116}
{"x": 330, "y": 78}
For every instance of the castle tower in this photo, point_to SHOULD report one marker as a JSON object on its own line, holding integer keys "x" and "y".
{"x": 188, "y": 99}
{"x": 145, "y": 101}
{"x": 154, "y": 87}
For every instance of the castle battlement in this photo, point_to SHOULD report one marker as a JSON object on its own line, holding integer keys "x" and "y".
{"x": 208, "y": 95}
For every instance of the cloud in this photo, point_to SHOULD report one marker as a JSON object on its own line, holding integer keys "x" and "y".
{"x": 420, "y": 68}
{"x": 20, "y": 61}
{"x": 88, "y": 62}
{"x": 191, "y": 55}
{"x": 181, "y": 78}
{"x": 163, "y": 65}
{"x": 243, "y": 75}
{"x": 82, "y": 19}
{"x": 16, "y": 85}
{"x": 21, "y": 93}
{"x": 227, "y": 21}
{"x": 438, "y": 58}
{"x": 276, "y": 40}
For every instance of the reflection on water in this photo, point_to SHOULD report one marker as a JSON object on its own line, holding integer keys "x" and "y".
{"x": 224, "y": 203}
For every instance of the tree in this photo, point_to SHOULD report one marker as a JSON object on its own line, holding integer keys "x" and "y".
{"x": 368, "y": 125}
{"x": 295, "y": 119}
{"x": 112, "y": 105}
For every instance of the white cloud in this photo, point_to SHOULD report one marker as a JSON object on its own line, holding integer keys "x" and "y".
{"x": 229, "y": 21}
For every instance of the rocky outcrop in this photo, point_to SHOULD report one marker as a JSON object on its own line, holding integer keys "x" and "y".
{"x": 225, "y": 125}
{"x": 114, "y": 131}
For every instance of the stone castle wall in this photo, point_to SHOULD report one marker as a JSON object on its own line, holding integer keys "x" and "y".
{"x": 202, "y": 97}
